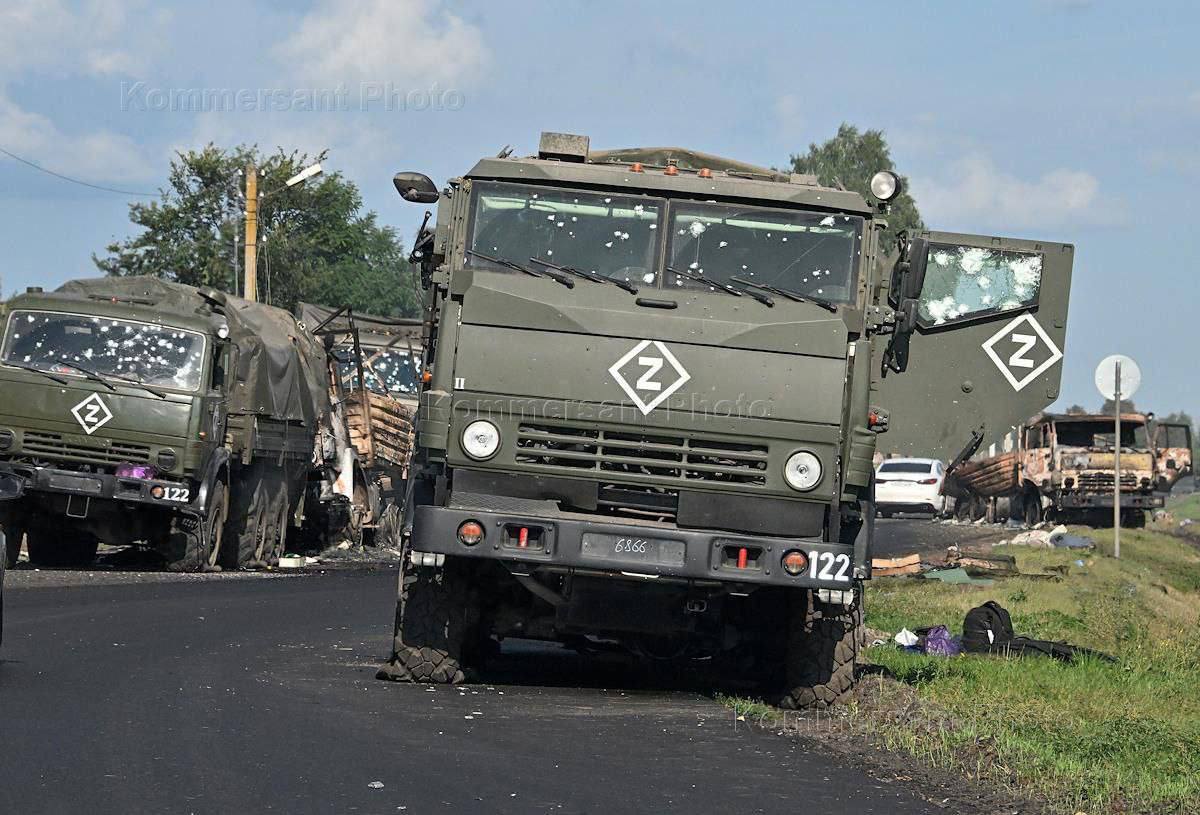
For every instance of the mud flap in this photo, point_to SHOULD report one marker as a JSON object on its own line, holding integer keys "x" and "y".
{"x": 988, "y": 346}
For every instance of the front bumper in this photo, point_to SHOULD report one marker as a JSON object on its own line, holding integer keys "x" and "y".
{"x": 1092, "y": 500}
{"x": 558, "y": 543}
{"x": 106, "y": 487}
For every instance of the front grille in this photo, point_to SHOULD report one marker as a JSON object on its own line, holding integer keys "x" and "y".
{"x": 1103, "y": 480}
{"x": 618, "y": 454}
{"x": 52, "y": 445}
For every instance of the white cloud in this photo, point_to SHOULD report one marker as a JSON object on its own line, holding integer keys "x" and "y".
{"x": 408, "y": 42}
{"x": 50, "y": 36}
{"x": 973, "y": 193}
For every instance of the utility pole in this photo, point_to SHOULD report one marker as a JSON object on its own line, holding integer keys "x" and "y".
{"x": 1117, "y": 463}
{"x": 251, "y": 285}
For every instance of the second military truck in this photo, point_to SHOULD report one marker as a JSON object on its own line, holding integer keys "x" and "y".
{"x": 137, "y": 409}
{"x": 651, "y": 397}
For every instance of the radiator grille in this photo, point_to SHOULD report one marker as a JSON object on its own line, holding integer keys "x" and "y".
{"x": 1103, "y": 480}
{"x": 52, "y": 445}
{"x": 615, "y": 454}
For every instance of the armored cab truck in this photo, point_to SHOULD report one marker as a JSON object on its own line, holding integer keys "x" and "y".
{"x": 1063, "y": 467}
{"x": 374, "y": 365}
{"x": 652, "y": 393}
{"x": 137, "y": 409}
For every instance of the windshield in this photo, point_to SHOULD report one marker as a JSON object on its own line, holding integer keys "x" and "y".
{"x": 385, "y": 370}
{"x": 143, "y": 352}
{"x": 809, "y": 253}
{"x": 1100, "y": 434}
{"x": 610, "y": 235}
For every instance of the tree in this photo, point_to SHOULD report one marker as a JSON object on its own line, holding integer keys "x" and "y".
{"x": 314, "y": 241}
{"x": 850, "y": 159}
{"x": 1076, "y": 410}
{"x": 1126, "y": 407}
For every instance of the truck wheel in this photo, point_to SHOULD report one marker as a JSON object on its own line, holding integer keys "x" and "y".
{"x": 279, "y": 530}
{"x": 821, "y": 650}
{"x": 13, "y": 536}
{"x": 52, "y": 548}
{"x": 1032, "y": 506}
{"x": 432, "y": 621}
{"x": 195, "y": 547}
{"x": 256, "y": 533}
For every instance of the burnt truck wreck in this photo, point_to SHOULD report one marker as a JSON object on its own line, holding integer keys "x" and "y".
{"x": 652, "y": 393}
{"x": 137, "y": 409}
{"x": 1062, "y": 467}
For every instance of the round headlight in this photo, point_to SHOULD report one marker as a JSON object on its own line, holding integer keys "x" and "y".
{"x": 802, "y": 471}
{"x": 885, "y": 185}
{"x": 481, "y": 440}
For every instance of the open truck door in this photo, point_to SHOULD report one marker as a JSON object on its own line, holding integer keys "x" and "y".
{"x": 983, "y": 345}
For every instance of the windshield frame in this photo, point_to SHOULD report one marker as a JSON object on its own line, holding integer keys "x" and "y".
{"x": 129, "y": 383}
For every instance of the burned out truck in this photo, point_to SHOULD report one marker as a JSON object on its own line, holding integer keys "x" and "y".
{"x": 655, "y": 386}
{"x": 139, "y": 410}
{"x": 1063, "y": 467}
{"x": 374, "y": 369}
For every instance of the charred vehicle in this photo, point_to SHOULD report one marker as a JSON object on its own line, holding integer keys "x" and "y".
{"x": 142, "y": 410}
{"x": 1063, "y": 467}
{"x": 374, "y": 365}
{"x": 651, "y": 400}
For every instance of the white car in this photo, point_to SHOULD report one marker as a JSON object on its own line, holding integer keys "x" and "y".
{"x": 910, "y": 485}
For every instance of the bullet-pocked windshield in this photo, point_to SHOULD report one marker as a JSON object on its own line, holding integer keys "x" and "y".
{"x": 147, "y": 353}
{"x": 809, "y": 253}
{"x": 385, "y": 370}
{"x": 606, "y": 234}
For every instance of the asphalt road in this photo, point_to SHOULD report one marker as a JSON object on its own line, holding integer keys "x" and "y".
{"x": 258, "y": 695}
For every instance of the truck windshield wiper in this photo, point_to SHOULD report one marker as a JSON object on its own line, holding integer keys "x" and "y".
{"x": 508, "y": 264}
{"x": 592, "y": 276}
{"x": 725, "y": 287}
{"x": 791, "y": 295}
{"x": 32, "y": 369}
{"x": 142, "y": 385}
{"x": 88, "y": 373}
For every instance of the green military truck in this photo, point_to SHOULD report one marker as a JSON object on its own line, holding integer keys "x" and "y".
{"x": 137, "y": 409}
{"x": 656, "y": 379}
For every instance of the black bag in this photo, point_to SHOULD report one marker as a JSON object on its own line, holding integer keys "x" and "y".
{"x": 986, "y": 626}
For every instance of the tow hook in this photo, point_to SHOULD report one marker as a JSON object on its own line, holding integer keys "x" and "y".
{"x": 696, "y": 606}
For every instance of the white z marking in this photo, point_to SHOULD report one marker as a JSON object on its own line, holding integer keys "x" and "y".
{"x": 652, "y": 365}
{"x": 1018, "y": 358}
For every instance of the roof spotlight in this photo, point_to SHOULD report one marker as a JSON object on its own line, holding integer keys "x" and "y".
{"x": 885, "y": 185}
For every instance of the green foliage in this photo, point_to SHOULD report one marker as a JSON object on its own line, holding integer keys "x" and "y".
{"x": 850, "y": 159}
{"x": 315, "y": 243}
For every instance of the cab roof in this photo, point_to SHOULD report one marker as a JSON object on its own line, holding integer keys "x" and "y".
{"x": 726, "y": 178}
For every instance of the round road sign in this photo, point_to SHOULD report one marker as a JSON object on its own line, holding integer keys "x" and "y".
{"x": 1106, "y": 377}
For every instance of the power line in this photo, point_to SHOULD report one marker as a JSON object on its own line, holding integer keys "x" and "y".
{"x": 76, "y": 180}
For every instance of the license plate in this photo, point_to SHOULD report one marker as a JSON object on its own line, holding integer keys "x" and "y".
{"x": 633, "y": 549}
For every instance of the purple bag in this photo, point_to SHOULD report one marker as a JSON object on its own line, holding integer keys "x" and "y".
{"x": 939, "y": 642}
{"x": 145, "y": 471}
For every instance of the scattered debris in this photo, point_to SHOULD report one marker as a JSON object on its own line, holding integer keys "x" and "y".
{"x": 885, "y": 567}
{"x": 376, "y": 785}
{"x": 906, "y": 638}
{"x": 957, "y": 575}
{"x": 1061, "y": 538}
{"x": 291, "y": 561}
{"x": 988, "y": 629}
{"x": 1039, "y": 538}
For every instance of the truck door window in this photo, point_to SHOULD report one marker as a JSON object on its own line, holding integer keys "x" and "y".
{"x": 611, "y": 235}
{"x": 809, "y": 253}
{"x": 968, "y": 282}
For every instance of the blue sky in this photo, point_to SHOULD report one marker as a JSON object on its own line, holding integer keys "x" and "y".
{"x": 1063, "y": 120}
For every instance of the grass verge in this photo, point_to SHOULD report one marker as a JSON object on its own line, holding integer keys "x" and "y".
{"x": 1087, "y": 736}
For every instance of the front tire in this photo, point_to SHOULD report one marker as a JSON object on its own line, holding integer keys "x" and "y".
{"x": 196, "y": 547}
{"x": 821, "y": 650}
{"x": 13, "y": 537}
{"x": 435, "y": 617}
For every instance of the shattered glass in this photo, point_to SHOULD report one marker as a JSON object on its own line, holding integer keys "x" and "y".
{"x": 810, "y": 253}
{"x": 610, "y": 235}
{"x": 962, "y": 282}
{"x": 149, "y": 353}
{"x": 386, "y": 371}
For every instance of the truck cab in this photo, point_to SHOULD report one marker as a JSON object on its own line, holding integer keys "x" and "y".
{"x": 650, "y": 406}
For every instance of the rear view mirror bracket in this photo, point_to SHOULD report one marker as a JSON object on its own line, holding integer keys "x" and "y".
{"x": 416, "y": 187}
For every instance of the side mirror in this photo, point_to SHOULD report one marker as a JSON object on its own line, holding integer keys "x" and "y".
{"x": 416, "y": 187}
{"x": 11, "y": 486}
{"x": 908, "y": 275}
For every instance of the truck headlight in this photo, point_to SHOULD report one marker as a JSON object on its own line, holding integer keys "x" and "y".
{"x": 802, "y": 471}
{"x": 481, "y": 440}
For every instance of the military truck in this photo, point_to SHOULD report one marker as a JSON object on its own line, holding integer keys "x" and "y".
{"x": 142, "y": 410}
{"x": 374, "y": 366}
{"x": 1062, "y": 467}
{"x": 652, "y": 393}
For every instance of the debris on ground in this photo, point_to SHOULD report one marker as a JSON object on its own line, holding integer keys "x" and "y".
{"x": 1038, "y": 538}
{"x": 987, "y": 629}
{"x": 957, "y": 575}
{"x": 905, "y": 638}
{"x": 1061, "y": 538}
{"x": 886, "y": 567}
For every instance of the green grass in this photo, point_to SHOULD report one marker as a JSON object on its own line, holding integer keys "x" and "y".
{"x": 1185, "y": 506}
{"x": 1087, "y": 736}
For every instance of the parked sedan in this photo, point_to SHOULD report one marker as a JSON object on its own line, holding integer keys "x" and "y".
{"x": 910, "y": 485}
